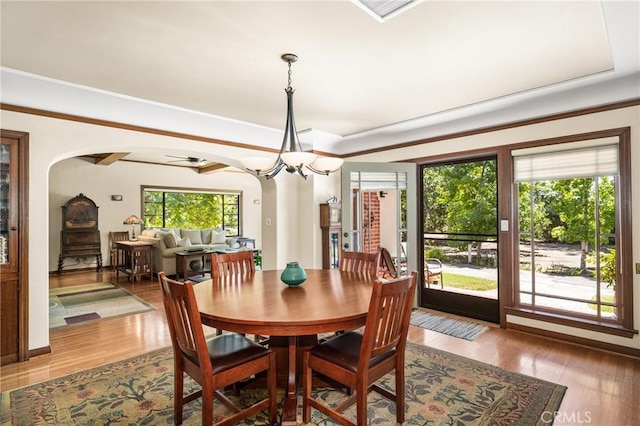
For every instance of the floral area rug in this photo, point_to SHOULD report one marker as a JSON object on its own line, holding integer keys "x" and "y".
{"x": 84, "y": 303}
{"x": 441, "y": 389}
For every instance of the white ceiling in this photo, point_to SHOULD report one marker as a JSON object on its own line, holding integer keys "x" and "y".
{"x": 359, "y": 83}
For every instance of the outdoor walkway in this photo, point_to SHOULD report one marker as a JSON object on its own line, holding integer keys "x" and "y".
{"x": 571, "y": 286}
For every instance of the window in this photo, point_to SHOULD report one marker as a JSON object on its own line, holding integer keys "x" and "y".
{"x": 180, "y": 208}
{"x": 573, "y": 244}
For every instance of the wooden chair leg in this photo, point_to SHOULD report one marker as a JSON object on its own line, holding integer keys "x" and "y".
{"x": 207, "y": 405}
{"x": 400, "y": 393}
{"x": 178, "y": 397}
{"x": 361, "y": 404}
{"x": 306, "y": 389}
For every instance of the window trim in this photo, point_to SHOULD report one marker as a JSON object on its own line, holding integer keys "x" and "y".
{"x": 624, "y": 280}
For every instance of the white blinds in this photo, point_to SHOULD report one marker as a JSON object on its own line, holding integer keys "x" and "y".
{"x": 568, "y": 164}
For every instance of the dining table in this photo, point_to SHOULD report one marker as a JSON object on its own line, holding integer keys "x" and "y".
{"x": 260, "y": 303}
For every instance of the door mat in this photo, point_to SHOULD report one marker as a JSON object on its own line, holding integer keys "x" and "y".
{"x": 85, "y": 303}
{"x": 443, "y": 324}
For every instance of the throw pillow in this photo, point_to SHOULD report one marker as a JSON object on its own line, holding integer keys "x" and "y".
{"x": 219, "y": 237}
{"x": 206, "y": 235}
{"x": 192, "y": 234}
{"x": 184, "y": 242}
{"x": 169, "y": 238}
{"x": 176, "y": 231}
{"x": 149, "y": 232}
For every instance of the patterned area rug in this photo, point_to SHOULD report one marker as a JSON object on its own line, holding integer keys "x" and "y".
{"x": 441, "y": 389}
{"x": 91, "y": 302}
{"x": 453, "y": 327}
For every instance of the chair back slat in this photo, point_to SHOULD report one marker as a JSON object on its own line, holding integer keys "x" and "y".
{"x": 388, "y": 318}
{"x": 360, "y": 262}
{"x": 225, "y": 264}
{"x": 183, "y": 316}
{"x": 117, "y": 236}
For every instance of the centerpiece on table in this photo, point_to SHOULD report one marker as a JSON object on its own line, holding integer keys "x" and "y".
{"x": 293, "y": 275}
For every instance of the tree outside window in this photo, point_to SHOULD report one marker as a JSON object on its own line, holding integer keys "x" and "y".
{"x": 164, "y": 208}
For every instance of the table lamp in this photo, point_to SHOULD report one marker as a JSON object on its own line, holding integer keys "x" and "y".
{"x": 132, "y": 220}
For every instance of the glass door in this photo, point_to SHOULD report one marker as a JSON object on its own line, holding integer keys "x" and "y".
{"x": 379, "y": 210}
{"x": 13, "y": 282}
{"x": 8, "y": 210}
{"x": 460, "y": 237}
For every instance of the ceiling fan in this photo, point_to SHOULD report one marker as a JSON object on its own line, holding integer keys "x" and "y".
{"x": 196, "y": 161}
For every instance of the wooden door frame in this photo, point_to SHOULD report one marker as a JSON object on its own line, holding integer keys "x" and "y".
{"x": 23, "y": 238}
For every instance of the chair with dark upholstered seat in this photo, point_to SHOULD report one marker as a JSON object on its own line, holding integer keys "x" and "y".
{"x": 358, "y": 360}
{"x": 214, "y": 363}
{"x": 239, "y": 263}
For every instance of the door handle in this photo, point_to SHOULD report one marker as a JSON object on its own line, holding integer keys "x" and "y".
{"x": 13, "y": 228}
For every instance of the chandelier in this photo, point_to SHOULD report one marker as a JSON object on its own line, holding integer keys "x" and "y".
{"x": 291, "y": 157}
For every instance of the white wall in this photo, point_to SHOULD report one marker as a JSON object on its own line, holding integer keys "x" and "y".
{"x": 70, "y": 177}
{"x": 389, "y": 222}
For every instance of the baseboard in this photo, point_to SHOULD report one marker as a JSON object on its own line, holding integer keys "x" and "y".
{"x": 88, "y": 268}
{"x": 594, "y": 344}
{"x": 40, "y": 351}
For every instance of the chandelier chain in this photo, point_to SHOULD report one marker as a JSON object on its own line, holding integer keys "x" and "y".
{"x": 289, "y": 80}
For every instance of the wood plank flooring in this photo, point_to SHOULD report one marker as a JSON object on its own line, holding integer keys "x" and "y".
{"x": 603, "y": 387}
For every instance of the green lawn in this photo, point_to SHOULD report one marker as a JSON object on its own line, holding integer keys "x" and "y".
{"x": 469, "y": 282}
{"x": 608, "y": 299}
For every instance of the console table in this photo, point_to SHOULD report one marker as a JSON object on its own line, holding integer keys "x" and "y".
{"x": 137, "y": 259}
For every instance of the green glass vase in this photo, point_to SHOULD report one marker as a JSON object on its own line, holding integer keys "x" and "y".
{"x": 293, "y": 275}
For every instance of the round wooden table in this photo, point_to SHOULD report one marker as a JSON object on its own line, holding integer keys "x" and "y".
{"x": 329, "y": 300}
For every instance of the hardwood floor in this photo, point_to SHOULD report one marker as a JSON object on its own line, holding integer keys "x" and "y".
{"x": 603, "y": 387}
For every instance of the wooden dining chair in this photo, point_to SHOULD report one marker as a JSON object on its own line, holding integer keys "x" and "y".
{"x": 358, "y": 360}
{"x": 357, "y": 261}
{"x": 214, "y": 363}
{"x": 227, "y": 264}
{"x": 113, "y": 250}
{"x": 223, "y": 264}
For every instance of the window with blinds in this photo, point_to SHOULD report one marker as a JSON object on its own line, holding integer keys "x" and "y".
{"x": 568, "y": 201}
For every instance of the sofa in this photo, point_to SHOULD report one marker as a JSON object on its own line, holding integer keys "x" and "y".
{"x": 168, "y": 241}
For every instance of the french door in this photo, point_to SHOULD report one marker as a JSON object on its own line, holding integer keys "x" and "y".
{"x": 379, "y": 209}
{"x": 460, "y": 237}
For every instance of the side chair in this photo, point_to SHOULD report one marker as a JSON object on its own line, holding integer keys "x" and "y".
{"x": 214, "y": 363}
{"x": 227, "y": 264}
{"x": 433, "y": 271}
{"x": 388, "y": 267}
{"x": 113, "y": 251}
{"x": 357, "y": 261}
{"x": 358, "y": 360}
{"x": 223, "y": 264}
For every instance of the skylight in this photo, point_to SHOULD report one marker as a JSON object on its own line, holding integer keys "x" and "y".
{"x": 383, "y": 10}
